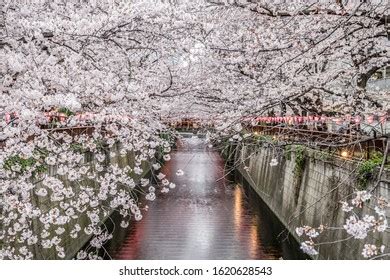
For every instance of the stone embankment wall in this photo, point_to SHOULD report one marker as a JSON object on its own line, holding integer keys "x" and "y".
{"x": 308, "y": 192}
{"x": 73, "y": 245}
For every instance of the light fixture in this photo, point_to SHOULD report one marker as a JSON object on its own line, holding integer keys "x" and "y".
{"x": 344, "y": 153}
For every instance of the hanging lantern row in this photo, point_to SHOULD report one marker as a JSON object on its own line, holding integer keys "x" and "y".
{"x": 49, "y": 117}
{"x": 321, "y": 119}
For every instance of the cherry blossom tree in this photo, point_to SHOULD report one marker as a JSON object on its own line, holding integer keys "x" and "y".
{"x": 78, "y": 79}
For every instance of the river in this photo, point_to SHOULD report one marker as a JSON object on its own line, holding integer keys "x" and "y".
{"x": 207, "y": 216}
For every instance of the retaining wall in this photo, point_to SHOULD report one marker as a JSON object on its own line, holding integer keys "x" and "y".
{"x": 311, "y": 197}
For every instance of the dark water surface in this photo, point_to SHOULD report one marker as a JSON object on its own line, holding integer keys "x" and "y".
{"x": 206, "y": 216}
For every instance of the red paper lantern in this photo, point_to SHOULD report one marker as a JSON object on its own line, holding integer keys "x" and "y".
{"x": 358, "y": 119}
{"x": 7, "y": 118}
{"x": 337, "y": 121}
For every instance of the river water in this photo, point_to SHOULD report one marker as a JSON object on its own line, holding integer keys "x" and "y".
{"x": 207, "y": 216}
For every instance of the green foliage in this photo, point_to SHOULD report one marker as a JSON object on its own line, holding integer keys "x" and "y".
{"x": 287, "y": 152}
{"x": 322, "y": 155}
{"x": 17, "y": 160}
{"x": 40, "y": 169}
{"x": 66, "y": 111}
{"x": 263, "y": 138}
{"x": 368, "y": 169}
{"x": 300, "y": 160}
{"x": 167, "y": 136}
{"x": 76, "y": 147}
{"x": 24, "y": 164}
{"x": 100, "y": 144}
{"x": 376, "y": 156}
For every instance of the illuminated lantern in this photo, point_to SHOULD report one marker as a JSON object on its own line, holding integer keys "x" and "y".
{"x": 358, "y": 119}
{"x": 49, "y": 116}
{"x": 337, "y": 121}
{"x": 7, "y": 118}
{"x": 62, "y": 117}
{"x": 370, "y": 119}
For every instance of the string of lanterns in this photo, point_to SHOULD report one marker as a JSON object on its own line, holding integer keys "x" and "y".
{"x": 369, "y": 119}
{"x": 48, "y": 117}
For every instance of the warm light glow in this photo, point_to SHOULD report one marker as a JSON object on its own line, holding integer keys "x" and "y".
{"x": 254, "y": 238}
{"x": 238, "y": 208}
{"x": 256, "y": 133}
{"x": 344, "y": 154}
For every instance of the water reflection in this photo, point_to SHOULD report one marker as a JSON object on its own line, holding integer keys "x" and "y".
{"x": 237, "y": 207}
{"x": 205, "y": 217}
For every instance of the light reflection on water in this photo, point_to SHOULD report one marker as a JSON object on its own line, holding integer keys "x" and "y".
{"x": 205, "y": 217}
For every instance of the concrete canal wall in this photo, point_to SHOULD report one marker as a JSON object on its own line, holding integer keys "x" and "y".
{"x": 73, "y": 245}
{"x": 308, "y": 192}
